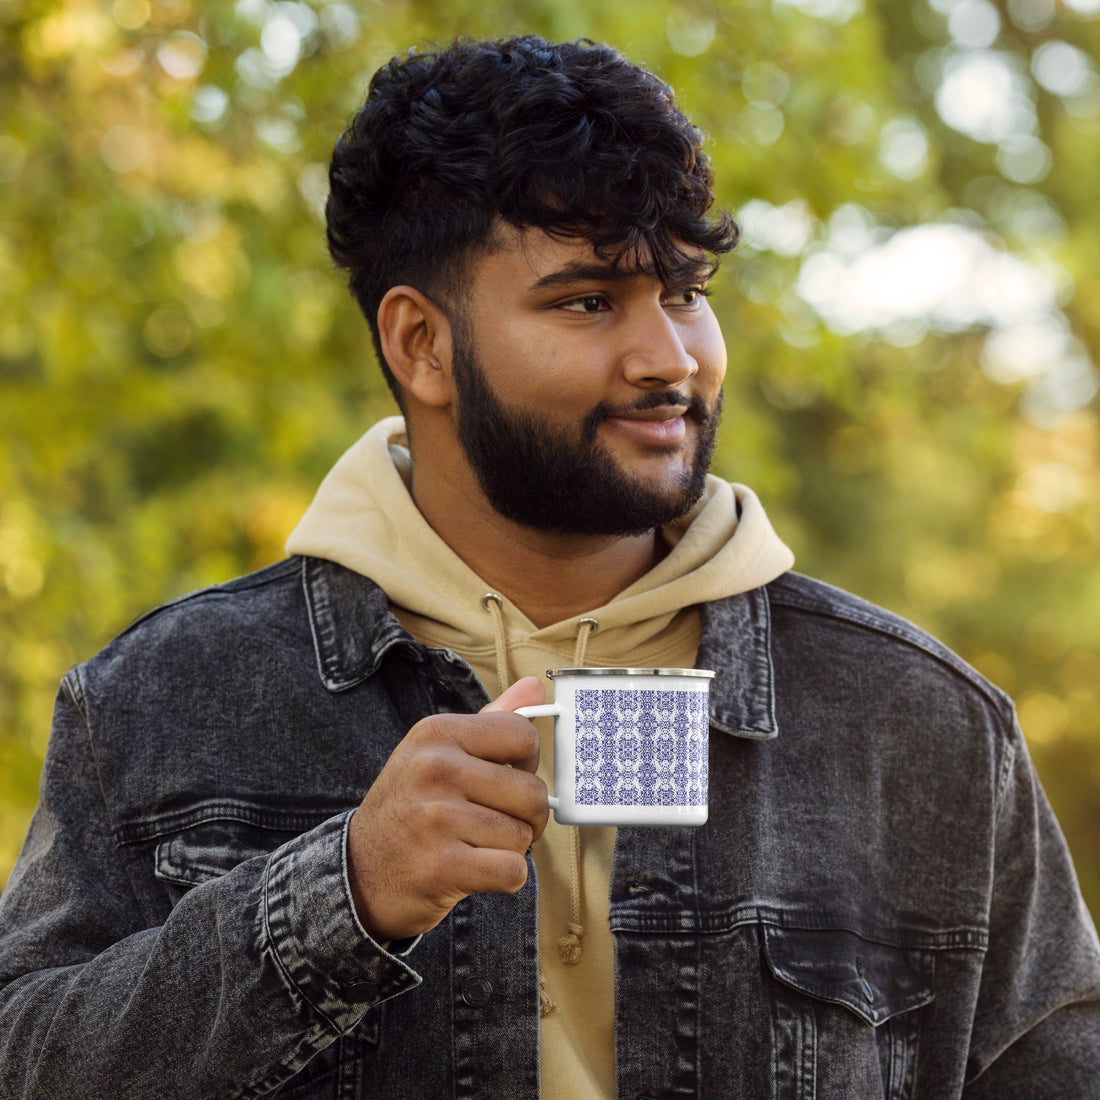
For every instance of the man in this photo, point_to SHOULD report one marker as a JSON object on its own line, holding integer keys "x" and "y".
{"x": 294, "y": 841}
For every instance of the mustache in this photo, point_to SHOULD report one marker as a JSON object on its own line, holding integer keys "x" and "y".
{"x": 696, "y": 409}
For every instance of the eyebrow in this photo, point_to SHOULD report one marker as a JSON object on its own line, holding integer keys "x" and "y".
{"x": 589, "y": 271}
{"x": 580, "y": 272}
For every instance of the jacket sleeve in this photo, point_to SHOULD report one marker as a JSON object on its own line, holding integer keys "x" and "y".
{"x": 1036, "y": 1029}
{"x": 250, "y": 975}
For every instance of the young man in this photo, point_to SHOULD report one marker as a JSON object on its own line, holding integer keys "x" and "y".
{"x": 294, "y": 841}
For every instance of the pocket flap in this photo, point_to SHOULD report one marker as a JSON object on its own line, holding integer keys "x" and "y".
{"x": 212, "y": 849}
{"x": 875, "y": 980}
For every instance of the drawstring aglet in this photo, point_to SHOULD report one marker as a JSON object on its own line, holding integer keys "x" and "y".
{"x": 546, "y": 1006}
{"x": 569, "y": 946}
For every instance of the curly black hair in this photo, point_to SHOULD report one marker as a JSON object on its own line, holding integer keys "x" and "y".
{"x": 571, "y": 138}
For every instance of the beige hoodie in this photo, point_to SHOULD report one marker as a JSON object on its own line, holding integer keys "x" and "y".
{"x": 363, "y": 517}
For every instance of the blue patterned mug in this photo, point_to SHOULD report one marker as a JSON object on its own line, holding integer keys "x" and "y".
{"x": 630, "y": 745}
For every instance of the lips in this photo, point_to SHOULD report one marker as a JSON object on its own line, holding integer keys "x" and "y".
{"x": 664, "y": 425}
{"x": 663, "y": 412}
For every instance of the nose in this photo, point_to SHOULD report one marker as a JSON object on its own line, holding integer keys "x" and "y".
{"x": 657, "y": 356}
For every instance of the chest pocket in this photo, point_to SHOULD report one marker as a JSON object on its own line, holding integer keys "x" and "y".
{"x": 846, "y": 1020}
{"x": 211, "y": 849}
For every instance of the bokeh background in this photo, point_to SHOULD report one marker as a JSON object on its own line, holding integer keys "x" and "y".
{"x": 913, "y": 321}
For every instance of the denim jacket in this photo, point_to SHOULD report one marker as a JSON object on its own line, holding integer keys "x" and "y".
{"x": 880, "y": 905}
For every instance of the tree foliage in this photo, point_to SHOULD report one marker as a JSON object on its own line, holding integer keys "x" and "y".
{"x": 913, "y": 322}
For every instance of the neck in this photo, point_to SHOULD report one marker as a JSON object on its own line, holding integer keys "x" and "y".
{"x": 551, "y": 579}
{"x": 548, "y": 576}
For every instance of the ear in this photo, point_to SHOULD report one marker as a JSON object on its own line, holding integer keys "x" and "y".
{"x": 415, "y": 335}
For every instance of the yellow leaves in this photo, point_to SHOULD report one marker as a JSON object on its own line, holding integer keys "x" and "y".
{"x": 1043, "y": 716}
{"x": 996, "y": 668}
{"x": 79, "y": 25}
{"x": 1052, "y": 509}
{"x": 215, "y": 266}
{"x": 937, "y": 576}
{"x": 131, "y": 15}
{"x": 125, "y": 148}
{"x": 182, "y": 55}
{"x": 270, "y": 513}
{"x": 168, "y": 330}
{"x": 13, "y": 156}
{"x": 690, "y": 33}
{"x": 22, "y": 572}
{"x": 312, "y": 307}
{"x": 265, "y": 186}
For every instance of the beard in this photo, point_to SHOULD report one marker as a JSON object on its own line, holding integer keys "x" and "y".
{"x": 565, "y": 481}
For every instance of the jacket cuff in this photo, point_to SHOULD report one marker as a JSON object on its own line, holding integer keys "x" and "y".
{"x": 318, "y": 942}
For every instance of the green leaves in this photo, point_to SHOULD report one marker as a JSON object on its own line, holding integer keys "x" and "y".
{"x": 913, "y": 321}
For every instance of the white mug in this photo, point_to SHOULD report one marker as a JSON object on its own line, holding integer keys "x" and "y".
{"x": 630, "y": 745}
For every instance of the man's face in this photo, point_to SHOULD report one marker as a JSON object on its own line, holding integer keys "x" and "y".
{"x": 588, "y": 400}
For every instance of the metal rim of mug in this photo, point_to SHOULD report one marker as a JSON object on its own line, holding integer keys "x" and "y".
{"x": 701, "y": 673}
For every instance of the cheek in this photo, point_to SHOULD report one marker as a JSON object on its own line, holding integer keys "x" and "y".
{"x": 708, "y": 349}
{"x": 518, "y": 359}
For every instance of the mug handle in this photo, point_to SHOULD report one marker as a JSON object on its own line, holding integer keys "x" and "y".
{"x": 544, "y": 710}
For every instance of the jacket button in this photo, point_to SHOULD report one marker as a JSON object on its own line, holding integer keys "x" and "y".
{"x": 476, "y": 992}
{"x": 361, "y": 990}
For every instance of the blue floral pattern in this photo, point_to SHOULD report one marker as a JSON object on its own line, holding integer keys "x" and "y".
{"x": 641, "y": 748}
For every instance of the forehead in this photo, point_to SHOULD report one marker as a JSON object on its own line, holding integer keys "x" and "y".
{"x": 538, "y": 260}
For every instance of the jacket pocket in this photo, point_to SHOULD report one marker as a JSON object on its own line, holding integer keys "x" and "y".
{"x": 846, "y": 1013}
{"x": 213, "y": 847}
{"x": 210, "y": 849}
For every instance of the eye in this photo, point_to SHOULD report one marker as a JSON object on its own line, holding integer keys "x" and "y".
{"x": 590, "y": 303}
{"x": 689, "y": 297}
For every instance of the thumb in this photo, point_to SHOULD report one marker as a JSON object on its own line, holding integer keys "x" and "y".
{"x": 527, "y": 692}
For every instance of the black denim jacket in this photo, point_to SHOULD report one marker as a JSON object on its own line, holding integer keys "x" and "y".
{"x": 881, "y": 904}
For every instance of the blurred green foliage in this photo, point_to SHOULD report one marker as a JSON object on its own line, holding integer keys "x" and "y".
{"x": 179, "y": 365}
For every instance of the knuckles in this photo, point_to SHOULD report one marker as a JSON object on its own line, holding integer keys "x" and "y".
{"x": 433, "y": 729}
{"x": 434, "y": 766}
{"x": 512, "y": 736}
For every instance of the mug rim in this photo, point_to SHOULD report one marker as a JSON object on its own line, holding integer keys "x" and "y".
{"x": 700, "y": 673}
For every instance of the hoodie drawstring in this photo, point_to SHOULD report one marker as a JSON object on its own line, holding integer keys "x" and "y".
{"x": 570, "y": 945}
{"x": 494, "y": 605}
{"x": 585, "y": 629}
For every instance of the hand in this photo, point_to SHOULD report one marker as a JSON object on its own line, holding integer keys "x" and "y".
{"x": 452, "y": 813}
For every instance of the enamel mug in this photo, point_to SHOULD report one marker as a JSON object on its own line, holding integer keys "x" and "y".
{"x": 630, "y": 745}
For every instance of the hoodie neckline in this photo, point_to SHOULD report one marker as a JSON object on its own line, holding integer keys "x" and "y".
{"x": 363, "y": 516}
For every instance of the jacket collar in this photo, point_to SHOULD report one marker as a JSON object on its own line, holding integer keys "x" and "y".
{"x": 354, "y": 629}
{"x": 736, "y": 643}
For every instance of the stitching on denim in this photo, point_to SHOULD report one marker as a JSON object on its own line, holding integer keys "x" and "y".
{"x": 313, "y": 614}
{"x": 75, "y": 679}
{"x": 289, "y": 821}
{"x": 1008, "y": 765}
{"x": 849, "y": 608}
{"x": 284, "y": 968}
{"x": 671, "y": 922}
{"x": 261, "y": 578}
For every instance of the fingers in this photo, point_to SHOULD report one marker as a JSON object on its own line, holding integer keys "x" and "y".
{"x": 492, "y": 870}
{"x": 452, "y": 813}
{"x": 527, "y": 692}
{"x": 518, "y": 794}
{"x": 495, "y": 734}
{"x": 472, "y": 832}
